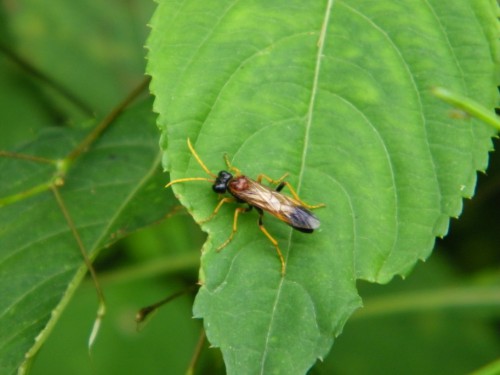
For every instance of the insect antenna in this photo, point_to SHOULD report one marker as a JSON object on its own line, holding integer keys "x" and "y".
{"x": 188, "y": 179}
{"x": 198, "y": 159}
{"x": 202, "y": 165}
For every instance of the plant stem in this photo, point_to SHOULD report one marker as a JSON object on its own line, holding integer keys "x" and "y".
{"x": 445, "y": 298}
{"x": 32, "y": 70}
{"x": 467, "y": 105}
{"x": 103, "y": 125}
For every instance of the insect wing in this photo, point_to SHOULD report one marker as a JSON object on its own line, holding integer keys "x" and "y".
{"x": 302, "y": 219}
{"x": 279, "y": 205}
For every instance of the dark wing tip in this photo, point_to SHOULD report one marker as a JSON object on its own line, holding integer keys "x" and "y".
{"x": 303, "y": 219}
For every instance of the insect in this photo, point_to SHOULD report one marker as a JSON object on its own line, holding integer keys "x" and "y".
{"x": 243, "y": 189}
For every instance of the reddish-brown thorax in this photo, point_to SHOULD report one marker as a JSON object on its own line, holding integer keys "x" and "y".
{"x": 239, "y": 183}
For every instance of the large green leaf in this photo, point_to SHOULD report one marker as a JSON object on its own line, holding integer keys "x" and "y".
{"x": 40, "y": 264}
{"x": 338, "y": 95}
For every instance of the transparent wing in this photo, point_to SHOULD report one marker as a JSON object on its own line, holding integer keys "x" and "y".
{"x": 279, "y": 205}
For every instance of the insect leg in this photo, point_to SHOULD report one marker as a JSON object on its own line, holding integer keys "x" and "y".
{"x": 235, "y": 225}
{"x": 273, "y": 241}
{"x": 281, "y": 184}
{"x": 230, "y": 166}
{"x": 270, "y": 180}
{"x": 295, "y": 195}
{"x": 217, "y": 208}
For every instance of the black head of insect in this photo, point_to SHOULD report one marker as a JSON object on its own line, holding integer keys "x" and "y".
{"x": 221, "y": 182}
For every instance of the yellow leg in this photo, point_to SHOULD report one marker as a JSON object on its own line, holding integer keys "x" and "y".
{"x": 275, "y": 243}
{"x": 237, "y": 212}
{"x": 289, "y": 186}
{"x": 217, "y": 208}
{"x": 235, "y": 170}
{"x": 295, "y": 195}
{"x": 235, "y": 226}
{"x": 270, "y": 180}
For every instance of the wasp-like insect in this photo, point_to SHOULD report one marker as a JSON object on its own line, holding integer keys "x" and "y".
{"x": 292, "y": 211}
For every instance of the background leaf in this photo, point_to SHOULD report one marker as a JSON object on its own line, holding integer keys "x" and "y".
{"x": 338, "y": 95}
{"x": 40, "y": 264}
{"x": 433, "y": 322}
{"x": 170, "y": 333}
{"x": 89, "y": 46}
{"x": 96, "y": 51}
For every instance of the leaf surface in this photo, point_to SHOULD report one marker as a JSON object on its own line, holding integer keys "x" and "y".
{"x": 40, "y": 264}
{"x": 337, "y": 94}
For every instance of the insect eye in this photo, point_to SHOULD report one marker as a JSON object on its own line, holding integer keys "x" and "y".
{"x": 219, "y": 187}
{"x": 225, "y": 176}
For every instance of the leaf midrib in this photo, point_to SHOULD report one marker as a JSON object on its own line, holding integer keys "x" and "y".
{"x": 309, "y": 120}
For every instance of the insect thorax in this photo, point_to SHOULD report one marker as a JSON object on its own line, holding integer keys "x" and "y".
{"x": 239, "y": 183}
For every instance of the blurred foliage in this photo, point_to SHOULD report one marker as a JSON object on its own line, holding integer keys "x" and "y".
{"x": 94, "y": 50}
{"x": 473, "y": 242}
{"x": 135, "y": 272}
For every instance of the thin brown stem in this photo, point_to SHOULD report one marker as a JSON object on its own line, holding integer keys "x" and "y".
{"x": 15, "y": 155}
{"x": 101, "y": 311}
{"x": 196, "y": 354}
{"x": 62, "y": 165}
{"x": 143, "y": 313}
{"x": 33, "y": 71}
{"x": 103, "y": 125}
{"x": 78, "y": 239}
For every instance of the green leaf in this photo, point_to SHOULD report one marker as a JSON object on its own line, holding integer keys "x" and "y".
{"x": 338, "y": 94}
{"x": 40, "y": 264}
